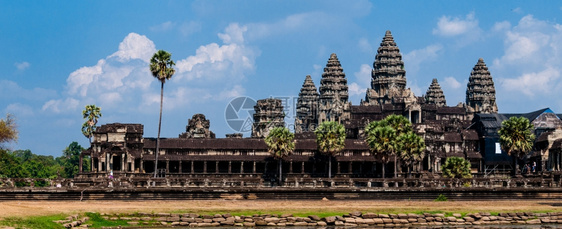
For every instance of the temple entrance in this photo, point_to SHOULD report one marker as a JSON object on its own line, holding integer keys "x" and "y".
{"x": 116, "y": 163}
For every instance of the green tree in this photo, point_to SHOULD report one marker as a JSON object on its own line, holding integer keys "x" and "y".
{"x": 330, "y": 138}
{"x": 516, "y": 138}
{"x": 411, "y": 148}
{"x": 70, "y": 160}
{"x": 456, "y": 167}
{"x": 399, "y": 123}
{"x": 8, "y": 129}
{"x": 281, "y": 144}
{"x": 381, "y": 140}
{"x": 161, "y": 66}
{"x": 91, "y": 113}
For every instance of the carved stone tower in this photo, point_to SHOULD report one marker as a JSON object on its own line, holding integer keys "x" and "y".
{"x": 388, "y": 78}
{"x": 198, "y": 127}
{"x": 307, "y": 107}
{"x": 333, "y": 101}
{"x": 269, "y": 114}
{"x": 480, "y": 91}
{"x": 434, "y": 94}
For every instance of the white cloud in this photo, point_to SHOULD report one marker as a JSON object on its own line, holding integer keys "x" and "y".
{"x": 415, "y": 58}
{"x": 453, "y": 26}
{"x": 501, "y": 26}
{"x": 19, "y": 109}
{"x": 166, "y": 26}
{"x": 123, "y": 84}
{"x": 451, "y": 82}
{"x": 362, "y": 81}
{"x": 189, "y": 28}
{"x": 233, "y": 60}
{"x": 135, "y": 46}
{"x": 533, "y": 83}
{"x": 531, "y": 60}
{"x": 22, "y": 65}
{"x": 60, "y": 105}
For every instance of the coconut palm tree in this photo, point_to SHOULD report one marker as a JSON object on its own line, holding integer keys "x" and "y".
{"x": 516, "y": 138}
{"x": 91, "y": 113}
{"x": 280, "y": 144}
{"x": 381, "y": 140}
{"x": 399, "y": 123}
{"x": 411, "y": 148}
{"x": 161, "y": 66}
{"x": 330, "y": 138}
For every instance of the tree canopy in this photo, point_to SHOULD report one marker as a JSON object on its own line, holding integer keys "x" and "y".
{"x": 91, "y": 113}
{"x": 516, "y": 136}
{"x": 280, "y": 142}
{"x": 8, "y": 129}
{"x": 456, "y": 167}
{"x": 330, "y": 139}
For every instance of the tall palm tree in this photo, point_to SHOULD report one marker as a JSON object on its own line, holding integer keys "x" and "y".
{"x": 402, "y": 126}
{"x": 330, "y": 138}
{"x": 382, "y": 142}
{"x": 280, "y": 144}
{"x": 161, "y": 66}
{"x": 91, "y": 113}
{"x": 516, "y": 138}
{"x": 411, "y": 148}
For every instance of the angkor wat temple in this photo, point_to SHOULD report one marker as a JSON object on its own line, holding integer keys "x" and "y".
{"x": 467, "y": 130}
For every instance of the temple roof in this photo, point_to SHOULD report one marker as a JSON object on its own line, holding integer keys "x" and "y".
{"x": 434, "y": 94}
{"x": 480, "y": 90}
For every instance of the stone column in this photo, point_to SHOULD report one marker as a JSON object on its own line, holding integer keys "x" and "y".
{"x": 216, "y": 166}
{"x": 204, "y": 166}
{"x": 254, "y": 169}
{"x": 350, "y": 168}
{"x": 192, "y": 168}
{"x": 80, "y": 164}
{"x": 339, "y": 168}
{"x": 302, "y": 167}
{"x": 123, "y": 162}
{"x": 291, "y": 167}
{"x": 241, "y": 167}
{"x": 167, "y": 166}
{"x": 180, "y": 167}
{"x": 229, "y": 167}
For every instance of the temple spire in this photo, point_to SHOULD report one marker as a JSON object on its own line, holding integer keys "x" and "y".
{"x": 480, "y": 91}
{"x": 388, "y": 78}
{"x": 333, "y": 86}
{"x": 307, "y": 107}
{"x": 434, "y": 94}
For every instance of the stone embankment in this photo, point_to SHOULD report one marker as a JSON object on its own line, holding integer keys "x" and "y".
{"x": 354, "y": 219}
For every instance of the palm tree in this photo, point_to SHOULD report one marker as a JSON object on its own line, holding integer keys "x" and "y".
{"x": 280, "y": 144}
{"x": 330, "y": 138}
{"x": 456, "y": 167}
{"x": 402, "y": 126}
{"x": 161, "y": 66}
{"x": 382, "y": 142}
{"x": 516, "y": 138}
{"x": 411, "y": 148}
{"x": 91, "y": 113}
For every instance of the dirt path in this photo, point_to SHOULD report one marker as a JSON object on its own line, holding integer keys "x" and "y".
{"x": 36, "y": 208}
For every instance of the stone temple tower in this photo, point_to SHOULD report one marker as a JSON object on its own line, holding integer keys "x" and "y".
{"x": 333, "y": 101}
{"x": 388, "y": 78}
{"x": 434, "y": 94}
{"x": 480, "y": 91}
{"x": 269, "y": 114}
{"x": 307, "y": 107}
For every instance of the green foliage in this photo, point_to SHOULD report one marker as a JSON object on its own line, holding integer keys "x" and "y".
{"x": 97, "y": 221}
{"x": 516, "y": 136}
{"x": 456, "y": 167}
{"x": 411, "y": 147}
{"x": 381, "y": 140}
{"x": 70, "y": 160}
{"x": 8, "y": 129}
{"x": 330, "y": 138}
{"x": 91, "y": 113}
{"x": 25, "y": 164}
{"x": 280, "y": 142}
{"x": 33, "y": 222}
{"x": 161, "y": 65}
{"x": 441, "y": 197}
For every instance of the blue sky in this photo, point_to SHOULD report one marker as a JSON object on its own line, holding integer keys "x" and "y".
{"x": 58, "y": 56}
